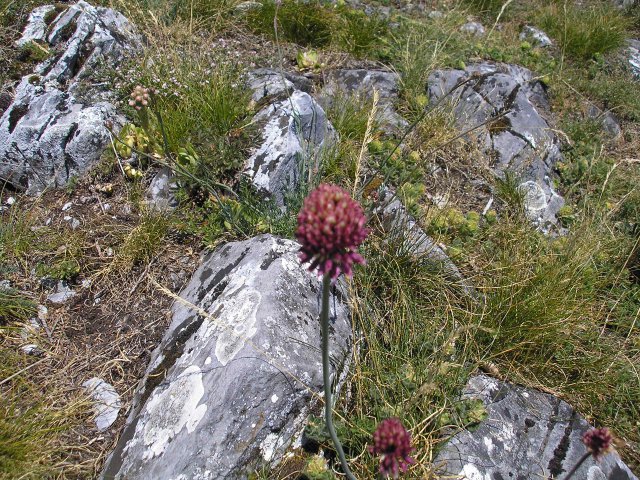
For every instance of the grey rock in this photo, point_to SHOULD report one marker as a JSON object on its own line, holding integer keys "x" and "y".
{"x": 36, "y": 28}
{"x": 63, "y": 293}
{"x": 435, "y": 14}
{"x": 228, "y": 393}
{"x": 535, "y": 37}
{"x": 633, "y": 56}
{"x": 51, "y": 132}
{"x": 295, "y": 135}
{"x": 106, "y": 402}
{"x": 521, "y": 141}
{"x": 269, "y": 84}
{"x": 161, "y": 194}
{"x": 473, "y": 28}
{"x": 607, "y": 119}
{"x": 72, "y": 221}
{"x": 402, "y": 228}
{"x": 32, "y": 349}
{"x": 364, "y": 82}
{"x": 527, "y": 434}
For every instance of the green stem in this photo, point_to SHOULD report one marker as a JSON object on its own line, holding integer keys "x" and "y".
{"x": 324, "y": 324}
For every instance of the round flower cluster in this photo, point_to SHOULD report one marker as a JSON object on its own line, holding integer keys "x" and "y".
{"x": 140, "y": 97}
{"x": 393, "y": 442}
{"x": 330, "y": 228}
{"x": 598, "y": 441}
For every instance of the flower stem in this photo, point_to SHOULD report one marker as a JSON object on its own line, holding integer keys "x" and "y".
{"x": 324, "y": 324}
{"x": 577, "y": 466}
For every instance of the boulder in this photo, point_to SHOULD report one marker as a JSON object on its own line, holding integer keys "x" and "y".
{"x": 364, "y": 82}
{"x": 54, "y": 129}
{"x": 295, "y": 134}
{"x": 232, "y": 382}
{"x": 527, "y": 434}
{"x": 520, "y": 140}
{"x": 535, "y": 37}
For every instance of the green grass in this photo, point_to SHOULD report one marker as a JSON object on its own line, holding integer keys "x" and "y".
{"x": 584, "y": 32}
{"x": 200, "y": 112}
{"x": 141, "y": 243}
{"x": 15, "y": 306}
{"x": 317, "y": 24}
{"x": 36, "y": 419}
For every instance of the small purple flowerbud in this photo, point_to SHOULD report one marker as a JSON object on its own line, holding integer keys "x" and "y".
{"x": 393, "y": 442}
{"x": 330, "y": 229}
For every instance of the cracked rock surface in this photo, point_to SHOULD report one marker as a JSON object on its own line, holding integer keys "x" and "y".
{"x": 295, "y": 133}
{"x": 228, "y": 393}
{"x": 520, "y": 140}
{"x": 364, "y": 82}
{"x": 51, "y": 132}
{"x": 527, "y": 434}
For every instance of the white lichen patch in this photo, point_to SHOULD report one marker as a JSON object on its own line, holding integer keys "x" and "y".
{"x": 239, "y": 317}
{"x": 270, "y": 445}
{"x": 471, "y": 472}
{"x": 168, "y": 412}
{"x": 595, "y": 473}
{"x": 274, "y": 398}
{"x": 535, "y": 199}
{"x": 488, "y": 443}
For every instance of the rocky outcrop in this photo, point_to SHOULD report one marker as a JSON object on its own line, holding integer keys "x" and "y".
{"x": 633, "y": 56}
{"x": 295, "y": 135}
{"x": 535, "y": 37}
{"x": 232, "y": 382}
{"x": 527, "y": 434}
{"x": 364, "y": 82}
{"x": 520, "y": 139}
{"x": 55, "y": 127}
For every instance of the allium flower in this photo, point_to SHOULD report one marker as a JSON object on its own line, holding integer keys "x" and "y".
{"x": 598, "y": 441}
{"x": 393, "y": 442}
{"x": 140, "y": 97}
{"x": 330, "y": 228}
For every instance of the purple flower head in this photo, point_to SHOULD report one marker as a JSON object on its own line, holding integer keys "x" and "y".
{"x": 598, "y": 441}
{"x": 330, "y": 228}
{"x": 393, "y": 442}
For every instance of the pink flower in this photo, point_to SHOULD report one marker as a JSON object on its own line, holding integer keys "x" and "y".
{"x": 330, "y": 228}
{"x": 139, "y": 97}
{"x": 598, "y": 441}
{"x": 393, "y": 442}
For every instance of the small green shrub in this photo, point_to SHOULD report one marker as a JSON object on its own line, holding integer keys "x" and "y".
{"x": 362, "y": 35}
{"x": 583, "y": 32}
{"x": 309, "y": 24}
{"x": 198, "y": 110}
{"x": 34, "y": 52}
